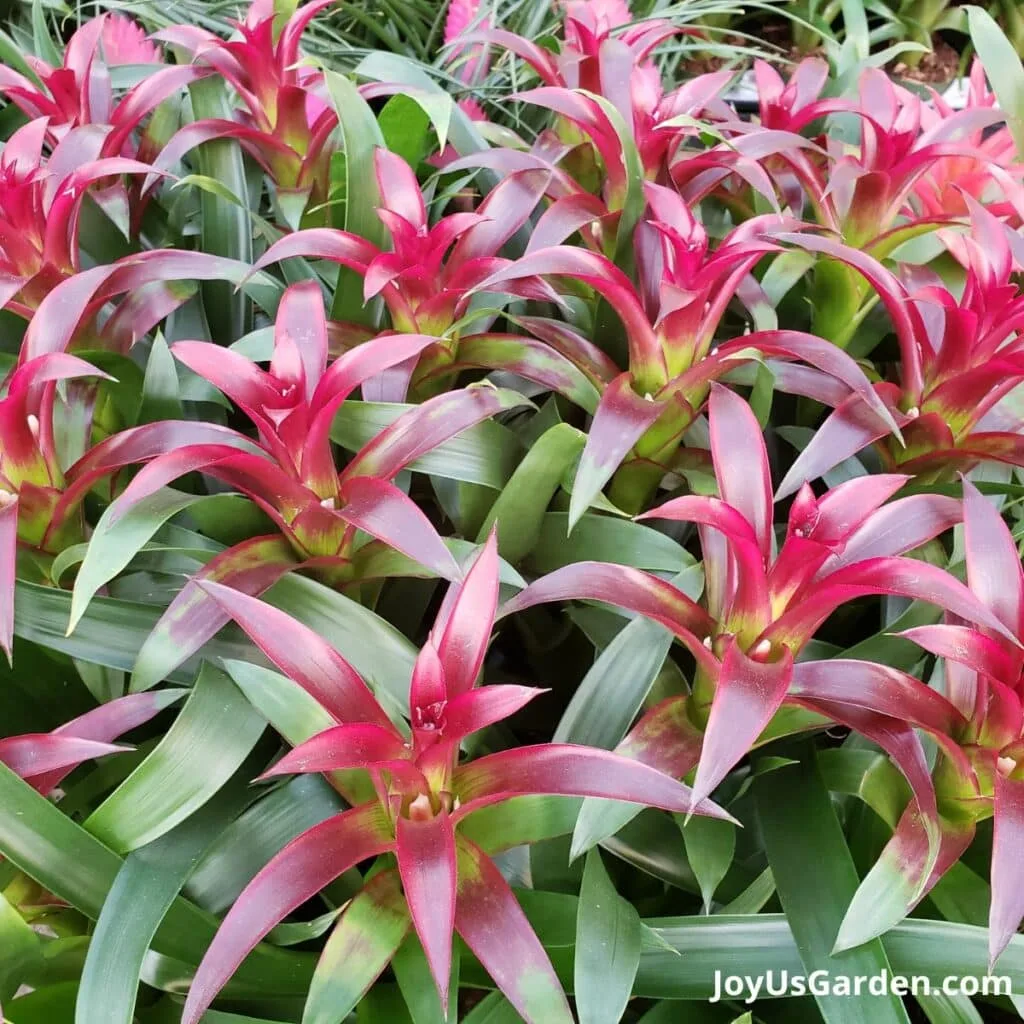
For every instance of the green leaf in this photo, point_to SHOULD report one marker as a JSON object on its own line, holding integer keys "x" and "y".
{"x": 764, "y": 942}
{"x": 520, "y": 508}
{"x": 607, "y": 700}
{"x": 494, "y": 1009}
{"x": 21, "y": 950}
{"x": 486, "y": 454}
{"x": 214, "y": 733}
{"x": 112, "y": 547}
{"x": 405, "y": 124}
{"x": 295, "y": 932}
{"x": 962, "y": 896}
{"x": 289, "y": 709}
{"x": 522, "y": 820}
{"x": 762, "y": 393}
{"x": 398, "y": 70}
{"x": 71, "y": 863}
{"x": 696, "y": 1013}
{"x": 869, "y": 775}
{"x": 949, "y": 1009}
{"x": 416, "y": 983}
{"x": 383, "y": 1002}
{"x": 405, "y": 128}
{"x": 606, "y": 539}
{"x": 248, "y": 843}
{"x": 816, "y": 880}
{"x": 13, "y": 56}
{"x": 169, "y": 1012}
{"x": 607, "y": 947}
{"x": 142, "y": 893}
{"x": 1003, "y": 68}
{"x": 855, "y": 21}
{"x": 160, "y": 399}
{"x": 55, "y": 1003}
{"x": 360, "y": 947}
{"x": 225, "y": 227}
{"x": 754, "y": 897}
{"x": 650, "y": 842}
{"x": 710, "y": 845}
{"x": 109, "y": 633}
{"x": 360, "y": 137}
{"x": 42, "y": 39}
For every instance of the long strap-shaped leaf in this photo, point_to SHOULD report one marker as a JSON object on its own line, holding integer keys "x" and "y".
{"x": 144, "y": 890}
{"x": 816, "y": 878}
{"x": 48, "y": 846}
{"x": 360, "y": 947}
{"x": 211, "y": 737}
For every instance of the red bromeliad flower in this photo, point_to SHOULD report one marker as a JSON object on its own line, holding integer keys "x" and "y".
{"x": 613, "y": 124}
{"x": 964, "y": 357}
{"x": 874, "y": 196}
{"x": 769, "y": 158}
{"x": 422, "y": 797}
{"x": 428, "y": 278}
{"x": 290, "y": 472}
{"x": 80, "y": 93}
{"x": 124, "y": 41}
{"x": 868, "y": 190}
{"x": 605, "y": 93}
{"x": 41, "y": 494}
{"x": 761, "y": 608}
{"x": 40, "y": 206}
{"x": 670, "y": 324}
{"x": 77, "y": 100}
{"x": 469, "y": 62}
{"x": 794, "y": 105}
{"x": 993, "y": 178}
{"x": 285, "y": 122}
{"x": 590, "y": 54}
{"x": 981, "y": 777}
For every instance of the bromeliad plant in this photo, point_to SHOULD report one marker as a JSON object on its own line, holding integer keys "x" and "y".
{"x": 285, "y": 120}
{"x": 671, "y": 322}
{"x": 431, "y": 874}
{"x": 976, "y": 777}
{"x": 290, "y": 472}
{"x": 427, "y": 278}
{"x": 762, "y": 608}
{"x": 309, "y": 376}
{"x": 963, "y": 360}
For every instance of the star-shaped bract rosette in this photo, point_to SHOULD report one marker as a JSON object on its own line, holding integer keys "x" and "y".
{"x": 983, "y": 775}
{"x": 290, "y": 470}
{"x": 284, "y": 120}
{"x": 961, "y": 356}
{"x": 424, "y": 793}
{"x": 761, "y": 607}
{"x": 428, "y": 277}
{"x": 670, "y": 322}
